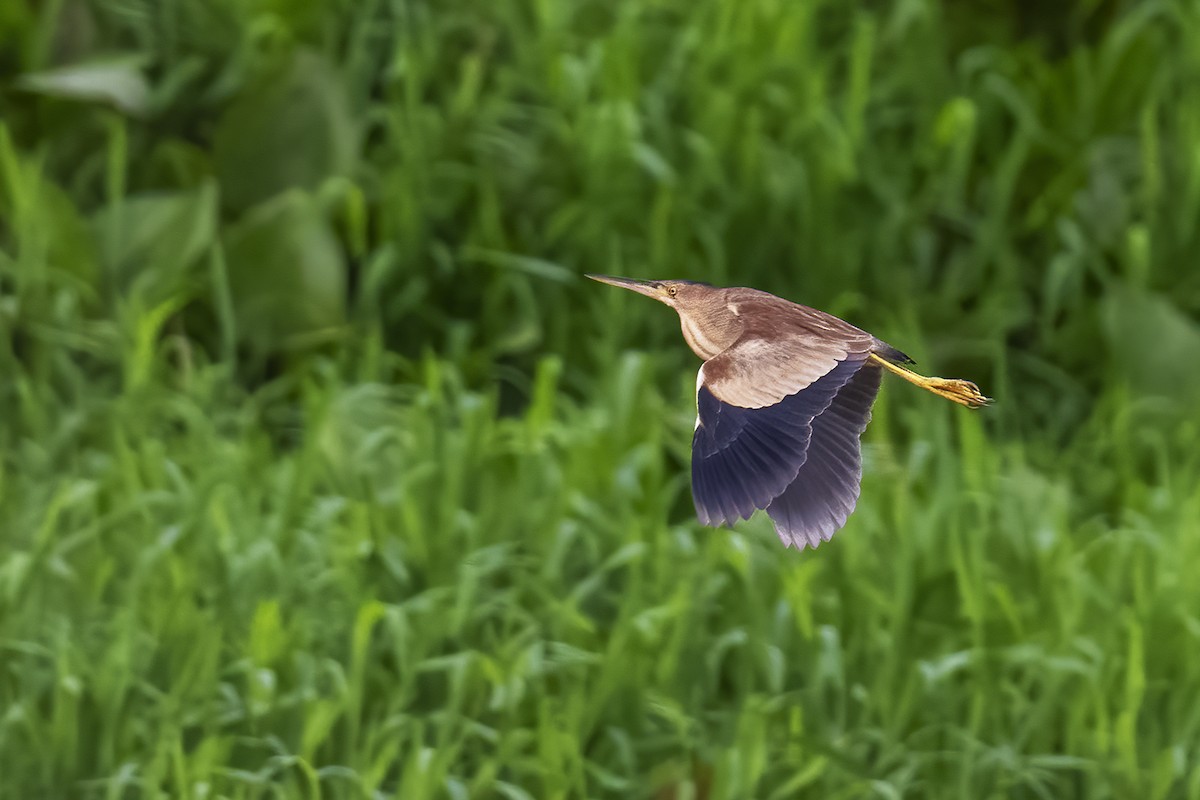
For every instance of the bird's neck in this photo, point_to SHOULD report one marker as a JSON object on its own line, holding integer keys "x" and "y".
{"x": 710, "y": 336}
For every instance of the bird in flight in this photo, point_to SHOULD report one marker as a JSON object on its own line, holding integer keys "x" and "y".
{"x": 782, "y": 398}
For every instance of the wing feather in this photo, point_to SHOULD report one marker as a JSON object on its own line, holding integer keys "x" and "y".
{"x": 783, "y": 349}
{"x": 826, "y": 487}
{"x": 744, "y": 458}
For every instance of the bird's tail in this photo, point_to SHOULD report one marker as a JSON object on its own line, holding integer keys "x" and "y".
{"x": 962, "y": 392}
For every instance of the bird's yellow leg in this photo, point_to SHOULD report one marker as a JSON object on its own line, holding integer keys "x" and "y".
{"x": 964, "y": 393}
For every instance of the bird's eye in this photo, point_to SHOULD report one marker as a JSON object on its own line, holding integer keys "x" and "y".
{"x": 672, "y": 291}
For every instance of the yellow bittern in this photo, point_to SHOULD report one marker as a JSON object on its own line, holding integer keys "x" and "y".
{"x": 782, "y": 398}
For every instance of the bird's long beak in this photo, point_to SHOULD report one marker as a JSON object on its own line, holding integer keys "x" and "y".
{"x": 648, "y": 288}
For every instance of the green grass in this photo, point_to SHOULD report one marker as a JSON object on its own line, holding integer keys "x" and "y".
{"x": 322, "y": 473}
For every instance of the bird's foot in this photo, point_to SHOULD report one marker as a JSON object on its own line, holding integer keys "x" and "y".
{"x": 962, "y": 392}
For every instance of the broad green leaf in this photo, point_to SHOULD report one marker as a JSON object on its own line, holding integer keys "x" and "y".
{"x": 46, "y": 225}
{"x": 119, "y": 83}
{"x": 291, "y": 128}
{"x": 287, "y": 273}
{"x": 1154, "y": 344}
{"x": 151, "y": 240}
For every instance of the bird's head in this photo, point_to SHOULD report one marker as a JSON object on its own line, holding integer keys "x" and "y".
{"x": 709, "y": 323}
{"x": 679, "y": 295}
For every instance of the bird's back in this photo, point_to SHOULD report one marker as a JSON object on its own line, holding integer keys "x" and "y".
{"x": 768, "y": 316}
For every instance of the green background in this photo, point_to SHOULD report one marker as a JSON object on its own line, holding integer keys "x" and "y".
{"x": 323, "y": 473}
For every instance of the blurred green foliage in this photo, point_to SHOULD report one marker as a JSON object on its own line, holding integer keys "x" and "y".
{"x": 322, "y": 474}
